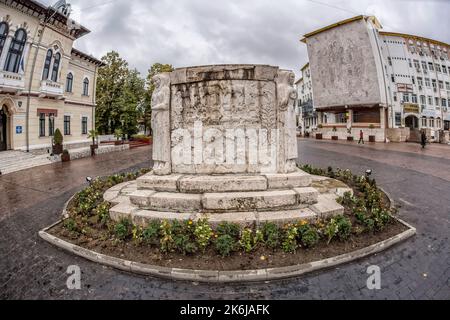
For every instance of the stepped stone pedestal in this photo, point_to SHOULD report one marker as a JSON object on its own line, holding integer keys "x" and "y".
{"x": 224, "y": 148}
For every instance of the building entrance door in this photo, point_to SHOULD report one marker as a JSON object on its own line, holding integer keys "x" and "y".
{"x": 412, "y": 122}
{"x": 3, "y": 131}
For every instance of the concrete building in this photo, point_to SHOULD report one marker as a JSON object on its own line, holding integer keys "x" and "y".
{"x": 389, "y": 85}
{"x": 45, "y": 83}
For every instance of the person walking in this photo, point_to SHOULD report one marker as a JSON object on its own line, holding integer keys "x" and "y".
{"x": 423, "y": 139}
{"x": 361, "y": 137}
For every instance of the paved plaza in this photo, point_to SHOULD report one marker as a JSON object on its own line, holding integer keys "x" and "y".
{"x": 418, "y": 180}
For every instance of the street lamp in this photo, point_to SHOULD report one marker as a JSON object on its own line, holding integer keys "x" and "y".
{"x": 368, "y": 173}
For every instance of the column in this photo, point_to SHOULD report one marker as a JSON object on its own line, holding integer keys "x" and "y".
{"x": 5, "y": 52}
{"x": 383, "y": 118}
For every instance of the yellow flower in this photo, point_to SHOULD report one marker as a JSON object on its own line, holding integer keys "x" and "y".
{"x": 303, "y": 222}
{"x": 190, "y": 222}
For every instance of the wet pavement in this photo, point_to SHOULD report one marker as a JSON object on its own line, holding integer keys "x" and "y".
{"x": 420, "y": 268}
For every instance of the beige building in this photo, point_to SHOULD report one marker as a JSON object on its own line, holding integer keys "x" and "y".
{"x": 45, "y": 83}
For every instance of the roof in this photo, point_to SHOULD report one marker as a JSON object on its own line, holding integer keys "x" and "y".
{"x": 299, "y": 80}
{"x": 410, "y": 36}
{"x": 41, "y": 11}
{"x": 87, "y": 57}
{"x": 305, "y": 66}
{"x": 373, "y": 19}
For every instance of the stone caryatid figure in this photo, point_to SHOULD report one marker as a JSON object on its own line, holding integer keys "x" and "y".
{"x": 287, "y": 95}
{"x": 161, "y": 124}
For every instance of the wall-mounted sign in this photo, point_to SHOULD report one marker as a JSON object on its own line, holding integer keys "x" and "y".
{"x": 19, "y": 130}
{"x": 403, "y": 87}
{"x": 411, "y": 108}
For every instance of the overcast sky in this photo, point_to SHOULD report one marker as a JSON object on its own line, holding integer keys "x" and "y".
{"x": 198, "y": 32}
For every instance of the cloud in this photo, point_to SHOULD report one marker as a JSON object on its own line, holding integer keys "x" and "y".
{"x": 198, "y": 32}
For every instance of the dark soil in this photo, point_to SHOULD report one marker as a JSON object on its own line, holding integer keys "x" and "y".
{"x": 99, "y": 241}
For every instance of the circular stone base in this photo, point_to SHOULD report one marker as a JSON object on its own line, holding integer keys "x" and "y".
{"x": 270, "y": 198}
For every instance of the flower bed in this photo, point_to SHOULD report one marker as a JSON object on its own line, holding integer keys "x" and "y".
{"x": 368, "y": 219}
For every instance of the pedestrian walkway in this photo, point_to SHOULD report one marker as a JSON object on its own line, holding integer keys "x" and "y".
{"x": 432, "y": 150}
{"x": 12, "y": 161}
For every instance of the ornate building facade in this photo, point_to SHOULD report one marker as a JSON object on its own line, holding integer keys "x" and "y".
{"x": 45, "y": 83}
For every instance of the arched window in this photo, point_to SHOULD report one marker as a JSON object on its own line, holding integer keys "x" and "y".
{"x": 48, "y": 61}
{"x": 56, "y": 63}
{"x": 69, "y": 82}
{"x": 86, "y": 87}
{"x": 14, "y": 57}
{"x": 3, "y": 34}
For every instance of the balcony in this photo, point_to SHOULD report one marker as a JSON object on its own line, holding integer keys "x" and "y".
{"x": 12, "y": 82}
{"x": 51, "y": 89}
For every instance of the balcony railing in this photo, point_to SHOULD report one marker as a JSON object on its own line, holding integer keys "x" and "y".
{"x": 51, "y": 89}
{"x": 11, "y": 82}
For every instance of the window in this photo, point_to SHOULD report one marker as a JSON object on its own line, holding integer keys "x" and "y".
{"x": 441, "y": 84}
{"x": 430, "y": 100}
{"x": 437, "y": 102}
{"x": 55, "y": 70}
{"x": 424, "y": 122}
{"x": 431, "y": 123}
{"x": 447, "y": 85}
{"x": 84, "y": 125}
{"x": 69, "y": 82}
{"x": 3, "y": 35}
{"x": 444, "y": 102}
{"x": 47, "y": 63}
{"x": 406, "y": 97}
{"x": 392, "y": 78}
{"x": 433, "y": 82}
{"x": 398, "y": 119}
{"x": 85, "y": 87}
{"x": 395, "y": 96}
{"x": 420, "y": 81}
{"x": 438, "y": 123}
{"x": 417, "y": 65}
{"x": 51, "y": 124}
{"x": 14, "y": 58}
{"x": 431, "y": 66}
{"x": 424, "y": 66}
{"x": 414, "y": 98}
{"x": 390, "y": 61}
{"x": 423, "y": 100}
{"x": 438, "y": 67}
{"x": 444, "y": 69}
{"x": 67, "y": 125}
{"x": 42, "y": 125}
{"x": 427, "y": 82}
{"x": 410, "y": 63}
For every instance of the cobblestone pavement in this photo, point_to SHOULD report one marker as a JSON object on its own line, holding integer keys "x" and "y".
{"x": 418, "y": 269}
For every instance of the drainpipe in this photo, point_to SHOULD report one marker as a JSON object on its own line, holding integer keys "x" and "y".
{"x": 94, "y": 97}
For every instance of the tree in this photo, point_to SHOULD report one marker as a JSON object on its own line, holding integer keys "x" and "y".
{"x": 146, "y": 106}
{"x": 131, "y": 99}
{"x": 110, "y": 85}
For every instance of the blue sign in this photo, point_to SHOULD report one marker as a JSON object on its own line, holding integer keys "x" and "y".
{"x": 19, "y": 130}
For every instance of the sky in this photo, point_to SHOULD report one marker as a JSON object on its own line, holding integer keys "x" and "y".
{"x": 201, "y": 32}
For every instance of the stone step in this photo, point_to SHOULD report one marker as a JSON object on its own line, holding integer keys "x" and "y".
{"x": 290, "y": 180}
{"x": 246, "y": 219}
{"x": 171, "y": 201}
{"x": 24, "y": 166}
{"x": 223, "y": 183}
{"x": 327, "y": 206}
{"x": 226, "y": 201}
{"x": 247, "y": 201}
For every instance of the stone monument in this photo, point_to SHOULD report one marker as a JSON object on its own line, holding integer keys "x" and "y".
{"x": 224, "y": 148}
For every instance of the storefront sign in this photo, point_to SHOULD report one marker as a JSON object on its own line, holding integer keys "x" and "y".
{"x": 19, "y": 130}
{"x": 411, "y": 108}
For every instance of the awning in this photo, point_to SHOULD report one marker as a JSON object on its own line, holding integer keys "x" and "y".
{"x": 47, "y": 112}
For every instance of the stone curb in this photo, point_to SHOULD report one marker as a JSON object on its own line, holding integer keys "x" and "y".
{"x": 212, "y": 276}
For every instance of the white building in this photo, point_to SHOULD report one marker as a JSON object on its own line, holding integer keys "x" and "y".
{"x": 389, "y": 85}
{"x": 308, "y": 116}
